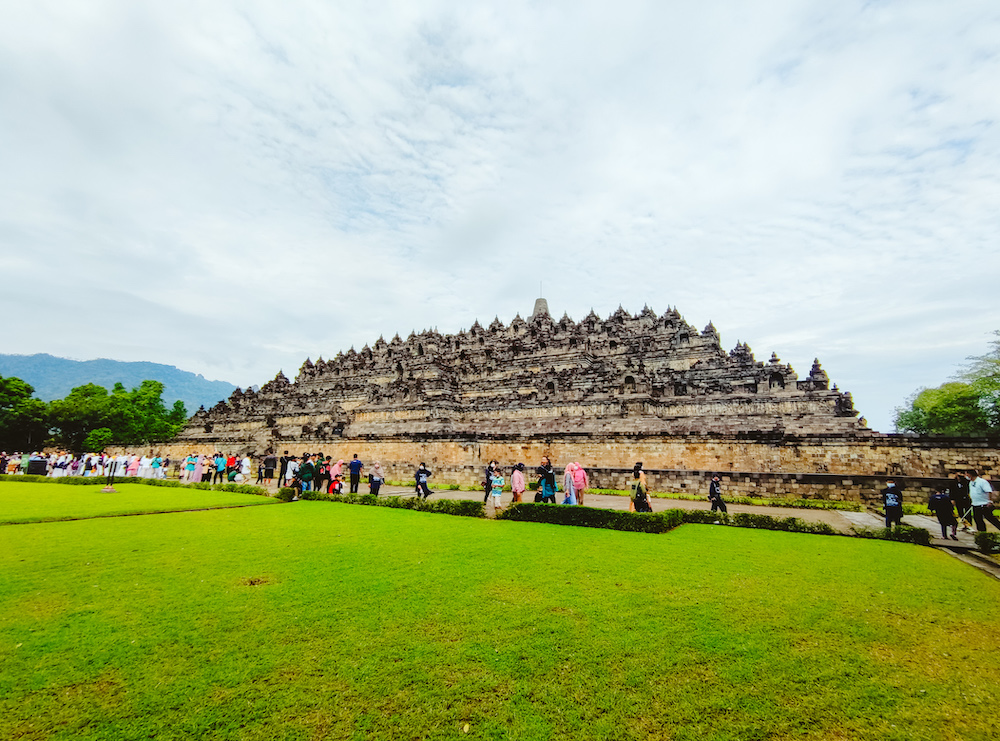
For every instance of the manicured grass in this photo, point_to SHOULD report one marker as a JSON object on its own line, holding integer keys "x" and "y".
{"x": 20, "y": 503}
{"x": 318, "y": 620}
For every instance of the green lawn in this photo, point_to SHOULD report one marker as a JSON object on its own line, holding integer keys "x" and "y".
{"x": 22, "y": 502}
{"x": 315, "y": 620}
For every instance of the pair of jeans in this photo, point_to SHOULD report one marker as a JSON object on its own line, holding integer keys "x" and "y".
{"x": 985, "y": 512}
{"x": 355, "y": 480}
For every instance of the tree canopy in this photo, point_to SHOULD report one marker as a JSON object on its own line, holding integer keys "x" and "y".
{"x": 968, "y": 405}
{"x": 89, "y": 418}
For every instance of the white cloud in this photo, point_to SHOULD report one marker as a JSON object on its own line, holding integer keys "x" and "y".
{"x": 817, "y": 179}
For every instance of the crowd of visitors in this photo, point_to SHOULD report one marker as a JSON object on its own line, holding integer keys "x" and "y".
{"x": 968, "y": 499}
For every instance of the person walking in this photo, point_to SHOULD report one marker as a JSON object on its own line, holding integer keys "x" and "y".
{"x": 517, "y": 484}
{"x": 219, "y": 462}
{"x": 959, "y": 494}
{"x": 546, "y": 481}
{"x": 496, "y": 489}
{"x": 569, "y": 488}
{"x": 715, "y": 495}
{"x": 376, "y": 478}
{"x": 420, "y": 477}
{"x": 283, "y": 470}
{"x": 981, "y": 494}
{"x": 270, "y": 461}
{"x": 940, "y": 504}
{"x": 487, "y": 480}
{"x": 892, "y": 499}
{"x": 639, "y": 491}
{"x": 580, "y": 482}
{"x": 355, "y": 469}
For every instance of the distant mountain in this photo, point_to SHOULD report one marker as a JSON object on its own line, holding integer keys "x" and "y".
{"x": 54, "y": 378}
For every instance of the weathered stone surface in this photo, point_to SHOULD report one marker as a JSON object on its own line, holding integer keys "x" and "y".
{"x": 643, "y": 374}
{"x": 605, "y": 393}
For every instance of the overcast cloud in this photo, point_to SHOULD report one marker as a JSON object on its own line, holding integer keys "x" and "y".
{"x": 232, "y": 187}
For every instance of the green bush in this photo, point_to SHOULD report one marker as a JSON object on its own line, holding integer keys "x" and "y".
{"x": 638, "y": 522}
{"x": 786, "y": 524}
{"x": 916, "y": 509}
{"x": 285, "y": 494}
{"x": 243, "y": 489}
{"x": 988, "y": 542}
{"x": 902, "y": 534}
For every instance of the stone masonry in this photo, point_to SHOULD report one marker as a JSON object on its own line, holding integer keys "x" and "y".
{"x": 604, "y": 392}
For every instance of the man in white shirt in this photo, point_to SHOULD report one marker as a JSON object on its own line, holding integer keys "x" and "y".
{"x": 981, "y": 494}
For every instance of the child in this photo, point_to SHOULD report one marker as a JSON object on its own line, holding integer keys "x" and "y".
{"x": 940, "y": 504}
{"x": 496, "y": 484}
{"x": 336, "y": 485}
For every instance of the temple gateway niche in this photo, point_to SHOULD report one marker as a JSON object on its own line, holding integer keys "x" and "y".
{"x": 535, "y": 378}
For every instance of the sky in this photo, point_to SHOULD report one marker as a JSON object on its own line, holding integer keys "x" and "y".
{"x": 234, "y": 187}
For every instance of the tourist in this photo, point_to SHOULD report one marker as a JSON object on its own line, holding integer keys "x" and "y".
{"x": 715, "y": 495}
{"x": 496, "y": 489}
{"x": 322, "y": 472}
{"x": 892, "y": 499}
{"x": 421, "y": 477}
{"x": 941, "y": 505}
{"x": 580, "y": 482}
{"x": 336, "y": 485}
{"x": 219, "y": 464}
{"x": 188, "y": 472}
{"x": 517, "y": 484}
{"x": 200, "y": 470}
{"x": 376, "y": 478}
{"x": 337, "y": 469}
{"x": 307, "y": 471}
{"x": 546, "y": 482}
{"x": 487, "y": 480}
{"x": 959, "y": 494}
{"x": 291, "y": 469}
{"x": 284, "y": 469}
{"x": 246, "y": 465}
{"x": 568, "y": 486}
{"x": 638, "y": 491}
{"x": 981, "y": 494}
{"x": 133, "y": 466}
{"x": 270, "y": 461}
{"x": 146, "y": 466}
{"x": 355, "y": 469}
{"x": 156, "y": 467}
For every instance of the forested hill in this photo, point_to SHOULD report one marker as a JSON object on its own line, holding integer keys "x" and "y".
{"x": 54, "y": 378}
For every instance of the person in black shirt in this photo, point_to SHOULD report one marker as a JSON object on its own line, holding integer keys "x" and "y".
{"x": 892, "y": 498}
{"x": 958, "y": 492}
{"x": 941, "y": 505}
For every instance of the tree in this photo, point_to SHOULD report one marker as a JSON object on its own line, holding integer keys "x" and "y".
{"x": 969, "y": 405}
{"x": 23, "y": 418}
{"x": 90, "y": 418}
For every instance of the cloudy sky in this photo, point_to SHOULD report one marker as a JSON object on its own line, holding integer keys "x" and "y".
{"x": 232, "y": 187}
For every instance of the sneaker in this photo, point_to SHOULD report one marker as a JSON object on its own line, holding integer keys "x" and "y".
{"x": 954, "y": 537}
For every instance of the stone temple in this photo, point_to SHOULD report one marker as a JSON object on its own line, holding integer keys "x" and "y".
{"x": 603, "y": 392}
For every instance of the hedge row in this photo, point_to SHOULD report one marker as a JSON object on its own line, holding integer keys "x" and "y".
{"x": 171, "y": 483}
{"x": 458, "y": 507}
{"x": 902, "y": 534}
{"x": 655, "y": 522}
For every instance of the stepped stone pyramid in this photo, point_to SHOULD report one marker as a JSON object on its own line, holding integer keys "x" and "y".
{"x": 643, "y": 374}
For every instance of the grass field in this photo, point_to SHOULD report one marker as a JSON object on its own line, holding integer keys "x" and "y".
{"x": 314, "y": 620}
{"x": 21, "y": 503}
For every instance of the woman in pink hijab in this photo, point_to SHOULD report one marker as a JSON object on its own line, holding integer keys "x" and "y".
{"x": 580, "y": 482}
{"x": 133, "y": 466}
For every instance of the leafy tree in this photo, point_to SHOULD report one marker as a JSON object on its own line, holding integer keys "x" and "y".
{"x": 91, "y": 418}
{"x": 23, "y": 418}
{"x": 969, "y": 405}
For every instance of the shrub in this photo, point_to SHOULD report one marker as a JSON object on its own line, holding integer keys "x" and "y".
{"x": 459, "y": 507}
{"x": 988, "y": 542}
{"x": 243, "y": 489}
{"x": 639, "y": 522}
{"x": 786, "y": 524}
{"x": 902, "y": 534}
{"x": 285, "y": 494}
